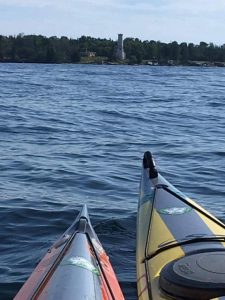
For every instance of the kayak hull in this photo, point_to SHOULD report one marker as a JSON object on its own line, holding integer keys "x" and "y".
{"x": 75, "y": 266}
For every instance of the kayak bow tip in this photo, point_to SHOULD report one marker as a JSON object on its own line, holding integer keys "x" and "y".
{"x": 149, "y": 163}
{"x": 84, "y": 212}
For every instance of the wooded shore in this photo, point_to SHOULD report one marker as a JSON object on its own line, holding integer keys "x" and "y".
{"x": 41, "y": 49}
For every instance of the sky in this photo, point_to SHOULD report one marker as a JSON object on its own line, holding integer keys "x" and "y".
{"x": 160, "y": 20}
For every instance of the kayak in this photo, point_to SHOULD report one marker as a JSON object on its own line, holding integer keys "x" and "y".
{"x": 75, "y": 267}
{"x": 180, "y": 246}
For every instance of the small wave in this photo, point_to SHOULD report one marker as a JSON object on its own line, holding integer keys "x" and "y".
{"x": 220, "y": 153}
{"x": 129, "y": 289}
{"x": 124, "y": 226}
{"x": 8, "y": 290}
{"x": 216, "y": 104}
{"x": 111, "y": 226}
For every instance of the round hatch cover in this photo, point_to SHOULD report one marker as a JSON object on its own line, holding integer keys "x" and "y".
{"x": 197, "y": 276}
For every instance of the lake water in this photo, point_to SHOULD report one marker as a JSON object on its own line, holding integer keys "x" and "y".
{"x": 75, "y": 134}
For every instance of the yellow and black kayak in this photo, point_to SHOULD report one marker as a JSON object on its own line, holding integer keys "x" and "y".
{"x": 180, "y": 246}
{"x": 76, "y": 267}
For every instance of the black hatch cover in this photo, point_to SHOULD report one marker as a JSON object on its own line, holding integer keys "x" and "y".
{"x": 198, "y": 276}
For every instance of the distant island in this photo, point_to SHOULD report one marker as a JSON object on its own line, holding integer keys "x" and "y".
{"x": 40, "y": 49}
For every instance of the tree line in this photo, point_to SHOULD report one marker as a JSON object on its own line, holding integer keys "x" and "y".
{"x": 41, "y": 49}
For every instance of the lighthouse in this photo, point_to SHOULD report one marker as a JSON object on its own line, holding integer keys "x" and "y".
{"x": 120, "y": 54}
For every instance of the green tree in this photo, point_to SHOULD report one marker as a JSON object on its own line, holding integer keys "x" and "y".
{"x": 75, "y": 56}
{"x": 184, "y": 54}
{"x": 133, "y": 60}
{"x": 134, "y": 47}
{"x": 174, "y": 51}
{"x": 1, "y": 50}
{"x": 151, "y": 50}
{"x": 191, "y": 51}
{"x": 203, "y": 51}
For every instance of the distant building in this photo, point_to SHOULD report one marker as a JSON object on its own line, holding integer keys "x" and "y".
{"x": 88, "y": 53}
{"x": 120, "y": 54}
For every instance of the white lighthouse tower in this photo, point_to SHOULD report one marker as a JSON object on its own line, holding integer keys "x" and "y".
{"x": 120, "y": 54}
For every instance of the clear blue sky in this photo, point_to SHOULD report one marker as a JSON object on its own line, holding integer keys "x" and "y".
{"x": 164, "y": 20}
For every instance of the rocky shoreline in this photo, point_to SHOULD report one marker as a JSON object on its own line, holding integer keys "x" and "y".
{"x": 105, "y": 61}
{"x": 171, "y": 63}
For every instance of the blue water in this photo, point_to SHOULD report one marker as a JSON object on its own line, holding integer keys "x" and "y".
{"x": 74, "y": 134}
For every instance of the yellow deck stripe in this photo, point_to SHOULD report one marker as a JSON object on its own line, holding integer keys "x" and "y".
{"x": 214, "y": 227}
{"x": 159, "y": 234}
{"x": 142, "y": 233}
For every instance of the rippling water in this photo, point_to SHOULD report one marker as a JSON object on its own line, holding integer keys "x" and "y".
{"x": 74, "y": 134}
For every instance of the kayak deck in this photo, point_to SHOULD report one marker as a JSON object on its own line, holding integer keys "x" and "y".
{"x": 170, "y": 226}
{"x": 75, "y": 266}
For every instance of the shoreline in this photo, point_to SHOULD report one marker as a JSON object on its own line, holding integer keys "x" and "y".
{"x": 122, "y": 63}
